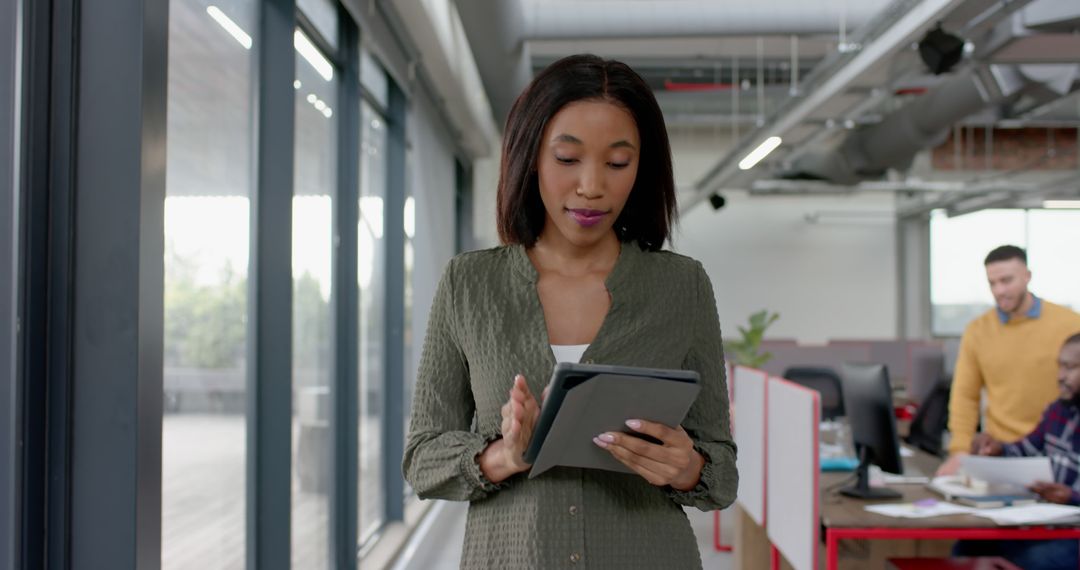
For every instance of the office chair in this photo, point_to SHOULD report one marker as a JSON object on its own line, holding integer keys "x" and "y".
{"x": 927, "y": 368}
{"x": 824, "y": 381}
{"x": 930, "y": 420}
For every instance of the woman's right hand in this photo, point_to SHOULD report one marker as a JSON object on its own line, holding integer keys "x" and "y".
{"x": 504, "y": 457}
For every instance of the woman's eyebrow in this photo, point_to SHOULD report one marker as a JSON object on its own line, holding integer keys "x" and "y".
{"x": 574, "y": 140}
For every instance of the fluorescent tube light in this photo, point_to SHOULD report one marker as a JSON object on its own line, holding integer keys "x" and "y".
{"x": 230, "y": 26}
{"x": 1062, "y": 204}
{"x": 410, "y": 217}
{"x": 759, "y": 153}
{"x": 311, "y": 53}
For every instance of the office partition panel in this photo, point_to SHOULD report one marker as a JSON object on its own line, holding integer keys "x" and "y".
{"x": 751, "y": 386}
{"x": 792, "y": 476}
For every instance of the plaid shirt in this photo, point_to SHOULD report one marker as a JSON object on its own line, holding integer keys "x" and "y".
{"x": 1055, "y": 437}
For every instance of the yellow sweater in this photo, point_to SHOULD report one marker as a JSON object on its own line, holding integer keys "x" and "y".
{"x": 1016, "y": 362}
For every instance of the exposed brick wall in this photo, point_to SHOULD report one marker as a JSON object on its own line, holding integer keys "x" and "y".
{"x": 1011, "y": 149}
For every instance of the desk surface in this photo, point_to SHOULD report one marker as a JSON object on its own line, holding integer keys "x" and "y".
{"x": 838, "y": 511}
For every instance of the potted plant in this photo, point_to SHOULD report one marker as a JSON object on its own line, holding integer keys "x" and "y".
{"x": 745, "y": 350}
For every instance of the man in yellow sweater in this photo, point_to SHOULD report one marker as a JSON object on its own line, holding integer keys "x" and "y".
{"x": 1011, "y": 352}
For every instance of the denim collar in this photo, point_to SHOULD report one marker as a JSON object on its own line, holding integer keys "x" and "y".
{"x": 1033, "y": 313}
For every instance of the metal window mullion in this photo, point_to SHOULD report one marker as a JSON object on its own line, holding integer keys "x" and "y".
{"x": 373, "y": 102}
{"x": 344, "y": 391}
{"x": 466, "y": 239}
{"x": 269, "y": 362}
{"x": 60, "y": 272}
{"x": 394, "y": 379}
{"x": 10, "y": 271}
{"x": 118, "y": 284}
{"x": 46, "y": 189}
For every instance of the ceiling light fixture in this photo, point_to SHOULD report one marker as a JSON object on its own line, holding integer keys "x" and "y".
{"x": 759, "y": 153}
{"x": 230, "y": 26}
{"x": 1062, "y": 204}
{"x": 311, "y": 53}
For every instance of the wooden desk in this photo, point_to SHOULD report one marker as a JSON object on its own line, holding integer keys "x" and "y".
{"x": 845, "y": 518}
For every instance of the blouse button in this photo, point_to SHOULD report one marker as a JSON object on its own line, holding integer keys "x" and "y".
{"x": 573, "y": 510}
{"x": 574, "y": 558}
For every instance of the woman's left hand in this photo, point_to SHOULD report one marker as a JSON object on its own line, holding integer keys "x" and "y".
{"x": 675, "y": 462}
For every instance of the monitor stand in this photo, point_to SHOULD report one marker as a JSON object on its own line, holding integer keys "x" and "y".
{"x": 862, "y": 489}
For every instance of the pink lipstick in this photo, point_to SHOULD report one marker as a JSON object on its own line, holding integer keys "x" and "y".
{"x": 586, "y": 217}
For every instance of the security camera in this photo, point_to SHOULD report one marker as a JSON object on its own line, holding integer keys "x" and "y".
{"x": 717, "y": 201}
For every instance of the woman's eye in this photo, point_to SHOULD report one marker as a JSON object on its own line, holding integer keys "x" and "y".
{"x": 565, "y": 160}
{"x": 618, "y": 165}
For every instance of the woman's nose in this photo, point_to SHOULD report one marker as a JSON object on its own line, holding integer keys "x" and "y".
{"x": 591, "y": 185}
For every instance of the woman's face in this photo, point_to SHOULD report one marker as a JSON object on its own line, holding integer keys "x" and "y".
{"x": 587, "y": 165}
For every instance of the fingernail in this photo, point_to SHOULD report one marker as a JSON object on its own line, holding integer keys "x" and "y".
{"x": 599, "y": 443}
{"x": 607, "y": 437}
{"x": 634, "y": 424}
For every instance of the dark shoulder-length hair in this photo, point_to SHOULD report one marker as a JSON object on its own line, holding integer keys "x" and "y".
{"x": 649, "y": 212}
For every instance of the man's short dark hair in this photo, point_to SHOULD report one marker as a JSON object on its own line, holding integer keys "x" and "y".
{"x": 1074, "y": 339}
{"x": 1005, "y": 253}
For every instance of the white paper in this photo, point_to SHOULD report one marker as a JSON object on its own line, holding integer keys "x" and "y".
{"x": 1028, "y": 514}
{"x": 952, "y": 486}
{"x": 1019, "y": 471}
{"x": 917, "y": 511}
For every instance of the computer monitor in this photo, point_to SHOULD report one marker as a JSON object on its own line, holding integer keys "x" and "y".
{"x": 868, "y": 403}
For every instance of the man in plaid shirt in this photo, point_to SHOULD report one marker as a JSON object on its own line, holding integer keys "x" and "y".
{"x": 1058, "y": 437}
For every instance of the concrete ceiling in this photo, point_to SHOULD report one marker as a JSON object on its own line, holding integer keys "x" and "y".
{"x": 820, "y": 76}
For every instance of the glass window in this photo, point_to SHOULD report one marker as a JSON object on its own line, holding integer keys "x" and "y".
{"x": 1053, "y": 236}
{"x": 373, "y": 78}
{"x": 958, "y": 246}
{"x": 315, "y": 179}
{"x": 208, "y": 183}
{"x": 323, "y": 15}
{"x": 371, "y": 265}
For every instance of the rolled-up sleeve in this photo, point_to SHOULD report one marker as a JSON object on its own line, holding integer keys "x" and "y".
{"x": 708, "y": 422}
{"x": 441, "y": 449}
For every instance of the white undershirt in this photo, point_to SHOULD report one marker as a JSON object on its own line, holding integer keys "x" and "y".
{"x": 568, "y": 352}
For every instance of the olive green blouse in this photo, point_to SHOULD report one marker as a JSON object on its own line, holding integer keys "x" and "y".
{"x": 486, "y": 325}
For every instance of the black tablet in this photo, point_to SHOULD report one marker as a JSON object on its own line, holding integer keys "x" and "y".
{"x": 651, "y": 394}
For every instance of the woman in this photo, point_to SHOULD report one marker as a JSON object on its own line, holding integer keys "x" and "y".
{"x": 585, "y": 202}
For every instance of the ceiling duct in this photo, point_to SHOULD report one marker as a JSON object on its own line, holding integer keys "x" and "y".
{"x": 574, "y": 19}
{"x": 1043, "y": 32}
{"x": 925, "y": 122}
{"x": 499, "y": 32}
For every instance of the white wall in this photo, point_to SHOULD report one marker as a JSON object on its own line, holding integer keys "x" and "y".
{"x": 432, "y": 184}
{"x": 833, "y": 278}
{"x": 485, "y": 182}
{"x": 695, "y": 150}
